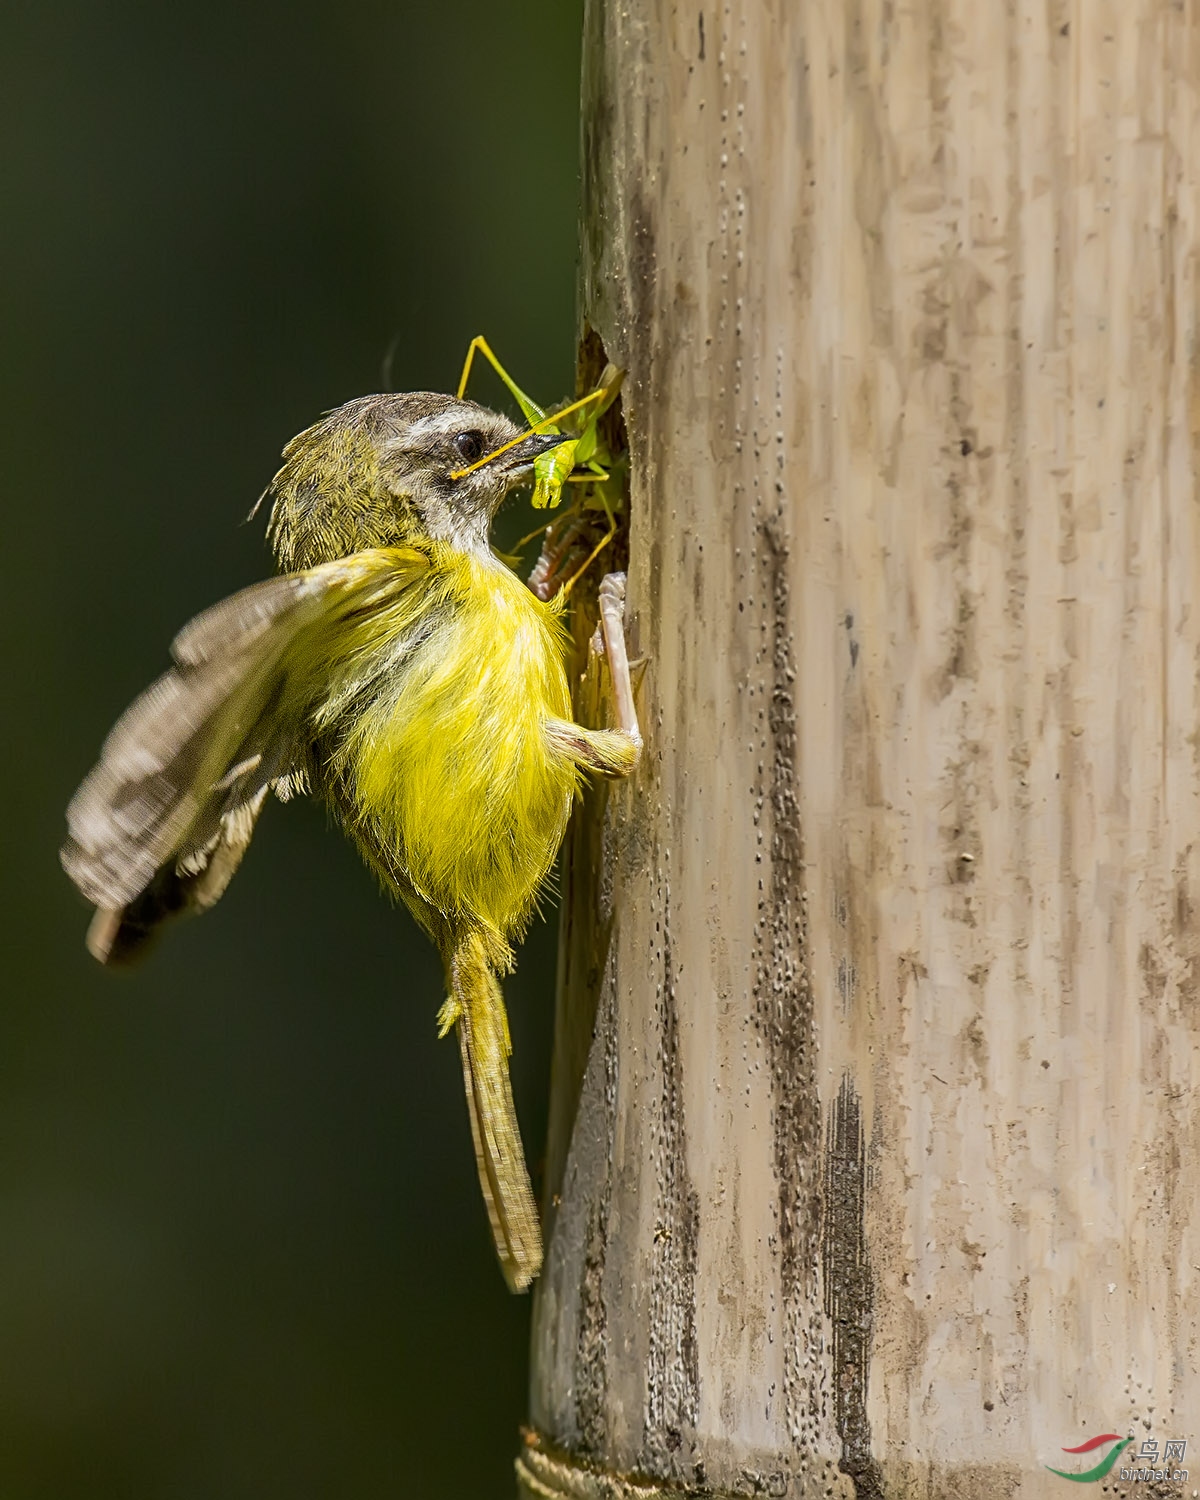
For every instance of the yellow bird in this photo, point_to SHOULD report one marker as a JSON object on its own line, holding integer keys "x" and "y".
{"x": 402, "y": 672}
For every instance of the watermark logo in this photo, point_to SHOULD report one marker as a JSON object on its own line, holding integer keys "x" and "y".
{"x": 1151, "y": 1467}
{"x": 1090, "y": 1476}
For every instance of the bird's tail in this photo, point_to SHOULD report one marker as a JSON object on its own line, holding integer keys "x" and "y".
{"x": 476, "y": 1006}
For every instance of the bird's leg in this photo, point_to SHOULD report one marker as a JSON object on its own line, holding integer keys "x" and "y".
{"x": 609, "y": 752}
{"x": 612, "y": 627}
{"x": 567, "y": 538}
{"x": 569, "y": 543}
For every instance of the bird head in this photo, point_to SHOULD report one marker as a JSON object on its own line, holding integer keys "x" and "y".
{"x": 390, "y": 470}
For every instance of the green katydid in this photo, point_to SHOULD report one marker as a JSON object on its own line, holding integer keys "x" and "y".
{"x": 582, "y": 459}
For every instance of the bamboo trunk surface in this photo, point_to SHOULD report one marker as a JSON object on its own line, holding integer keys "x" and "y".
{"x": 875, "y": 1131}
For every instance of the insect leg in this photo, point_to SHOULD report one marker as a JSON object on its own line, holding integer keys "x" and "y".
{"x": 530, "y": 409}
{"x": 596, "y": 551}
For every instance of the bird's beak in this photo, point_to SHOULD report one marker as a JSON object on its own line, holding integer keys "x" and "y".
{"x": 520, "y": 457}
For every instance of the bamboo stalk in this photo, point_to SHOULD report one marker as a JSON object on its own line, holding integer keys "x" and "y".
{"x": 875, "y": 1126}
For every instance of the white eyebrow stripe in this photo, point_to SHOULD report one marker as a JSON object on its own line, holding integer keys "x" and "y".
{"x": 440, "y": 425}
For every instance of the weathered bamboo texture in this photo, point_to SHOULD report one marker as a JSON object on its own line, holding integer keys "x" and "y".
{"x": 880, "y": 1169}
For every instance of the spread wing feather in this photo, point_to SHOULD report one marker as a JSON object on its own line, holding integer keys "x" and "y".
{"x": 162, "y": 821}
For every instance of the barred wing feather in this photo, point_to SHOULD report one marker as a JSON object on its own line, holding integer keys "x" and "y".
{"x": 161, "y": 823}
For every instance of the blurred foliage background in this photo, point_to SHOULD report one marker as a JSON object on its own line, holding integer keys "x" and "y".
{"x": 242, "y": 1249}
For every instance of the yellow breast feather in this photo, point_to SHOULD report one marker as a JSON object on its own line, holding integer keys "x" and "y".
{"x": 449, "y": 762}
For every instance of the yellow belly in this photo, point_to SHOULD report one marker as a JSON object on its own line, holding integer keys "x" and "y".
{"x": 449, "y": 766}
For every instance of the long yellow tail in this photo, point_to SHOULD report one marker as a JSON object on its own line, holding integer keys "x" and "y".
{"x": 477, "y": 1006}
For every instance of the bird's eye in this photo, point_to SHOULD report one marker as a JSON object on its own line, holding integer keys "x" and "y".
{"x": 469, "y": 445}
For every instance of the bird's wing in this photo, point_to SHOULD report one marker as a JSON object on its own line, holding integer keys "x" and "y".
{"x": 161, "y": 823}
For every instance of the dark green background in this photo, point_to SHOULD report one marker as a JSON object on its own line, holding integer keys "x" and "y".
{"x": 242, "y": 1250}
